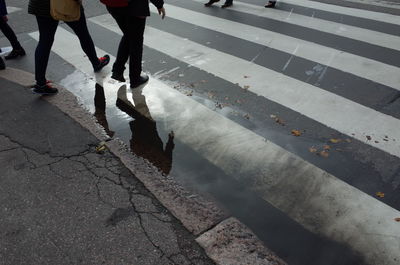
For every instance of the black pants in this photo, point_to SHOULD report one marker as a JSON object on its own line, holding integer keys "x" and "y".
{"x": 47, "y": 29}
{"x": 131, "y": 44}
{"x": 9, "y": 33}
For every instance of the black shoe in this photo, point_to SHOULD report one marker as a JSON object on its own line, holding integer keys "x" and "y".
{"x": 103, "y": 61}
{"x": 2, "y": 64}
{"x": 117, "y": 76}
{"x": 140, "y": 81}
{"x": 270, "y": 4}
{"x": 15, "y": 53}
{"x": 46, "y": 89}
{"x": 226, "y": 5}
{"x": 211, "y": 2}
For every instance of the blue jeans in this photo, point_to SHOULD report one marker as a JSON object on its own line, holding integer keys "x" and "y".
{"x": 47, "y": 30}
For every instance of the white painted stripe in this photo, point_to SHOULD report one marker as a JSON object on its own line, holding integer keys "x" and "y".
{"x": 385, "y": 74}
{"x": 12, "y": 9}
{"x": 338, "y": 29}
{"x": 327, "y": 108}
{"x": 317, "y": 200}
{"x": 384, "y": 3}
{"x": 382, "y": 17}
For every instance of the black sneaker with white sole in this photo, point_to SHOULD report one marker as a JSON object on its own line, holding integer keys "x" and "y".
{"x": 118, "y": 76}
{"x": 139, "y": 81}
{"x": 46, "y": 89}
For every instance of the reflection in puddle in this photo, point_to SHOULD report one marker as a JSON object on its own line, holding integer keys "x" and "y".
{"x": 216, "y": 155}
{"x": 100, "y": 109}
{"x": 145, "y": 141}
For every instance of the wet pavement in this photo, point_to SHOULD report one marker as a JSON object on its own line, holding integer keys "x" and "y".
{"x": 311, "y": 199}
{"x": 63, "y": 203}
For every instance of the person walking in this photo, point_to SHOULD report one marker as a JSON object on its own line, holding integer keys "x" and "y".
{"x": 227, "y": 3}
{"x": 270, "y": 4}
{"x": 130, "y": 16}
{"x": 17, "y": 49}
{"x": 47, "y": 29}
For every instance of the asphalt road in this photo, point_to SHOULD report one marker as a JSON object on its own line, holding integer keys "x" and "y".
{"x": 288, "y": 117}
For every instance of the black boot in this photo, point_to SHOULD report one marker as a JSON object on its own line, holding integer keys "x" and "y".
{"x": 142, "y": 79}
{"x": 15, "y": 53}
{"x": 227, "y": 4}
{"x": 2, "y": 64}
{"x": 270, "y": 4}
{"x": 118, "y": 76}
{"x": 211, "y": 2}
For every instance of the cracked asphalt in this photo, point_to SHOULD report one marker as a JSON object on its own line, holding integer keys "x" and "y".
{"x": 62, "y": 203}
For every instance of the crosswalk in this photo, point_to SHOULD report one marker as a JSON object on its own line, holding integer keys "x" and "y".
{"x": 233, "y": 85}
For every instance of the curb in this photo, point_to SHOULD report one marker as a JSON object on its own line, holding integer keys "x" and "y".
{"x": 225, "y": 239}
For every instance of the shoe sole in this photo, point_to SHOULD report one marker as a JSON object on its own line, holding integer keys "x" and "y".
{"x": 44, "y": 94}
{"x": 136, "y": 86}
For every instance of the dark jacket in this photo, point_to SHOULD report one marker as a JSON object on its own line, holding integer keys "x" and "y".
{"x": 3, "y": 8}
{"x": 39, "y": 8}
{"x": 141, "y": 7}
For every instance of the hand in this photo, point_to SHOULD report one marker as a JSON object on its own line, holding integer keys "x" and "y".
{"x": 161, "y": 11}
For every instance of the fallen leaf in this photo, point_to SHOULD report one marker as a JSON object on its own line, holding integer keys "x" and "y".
{"x": 335, "y": 141}
{"x": 324, "y": 153}
{"x": 219, "y": 105}
{"x": 312, "y": 149}
{"x": 101, "y": 148}
{"x": 326, "y": 147}
{"x": 247, "y": 116}
{"x": 368, "y": 137}
{"x": 280, "y": 122}
{"x": 380, "y": 194}
{"x": 296, "y": 132}
{"x": 397, "y": 219}
{"x": 246, "y": 87}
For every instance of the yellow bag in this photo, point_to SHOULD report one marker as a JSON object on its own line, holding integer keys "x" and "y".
{"x": 65, "y": 10}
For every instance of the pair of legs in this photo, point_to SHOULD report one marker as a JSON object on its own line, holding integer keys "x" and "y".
{"x": 227, "y": 3}
{"x": 47, "y": 29}
{"x": 130, "y": 46}
{"x": 10, "y": 35}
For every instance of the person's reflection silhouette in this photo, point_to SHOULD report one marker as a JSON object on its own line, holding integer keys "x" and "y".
{"x": 100, "y": 109}
{"x": 145, "y": 141}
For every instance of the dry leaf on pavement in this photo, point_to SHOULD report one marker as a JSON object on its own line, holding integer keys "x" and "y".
{"x": 335, "y": 141}
{"x": 324, "y": 153}
{"x": 397, "y": 219}
{"x": 312, "y": 149}
{"x": 380, "y": 194}
{"x": 296, "y": 132}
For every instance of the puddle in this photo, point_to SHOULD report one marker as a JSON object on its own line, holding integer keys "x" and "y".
{"x": 203, "y": 150}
